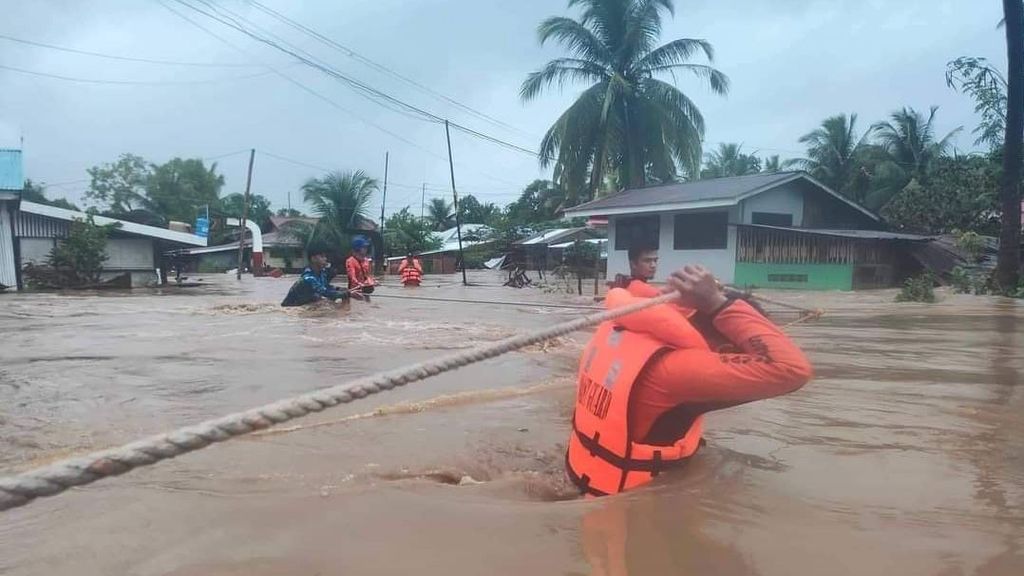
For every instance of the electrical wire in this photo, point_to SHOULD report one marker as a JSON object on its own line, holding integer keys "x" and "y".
{"x": 122, "y": 58}
{"x": 130, "y": 82}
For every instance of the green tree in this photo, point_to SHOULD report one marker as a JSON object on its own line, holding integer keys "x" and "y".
{"x": 259, "y": 207}
{"x": 834, "y": 155}
{"x": 962, "y": 194}
{"x": 909, "y": 139}
{"x": 342, "y": 201}
{"x": 120, "y": 186}
{"x": 77, "y": 260}
{"x": 729, "y": 160}
{"x": 404, "y": 233}
{"x": 36, "y": 192}
{"x": 539, "y": 202}
{"x": 288, "y": 213}
{"x": 772, "y": 164}
{"x": 981, "y": 81}
{"x": 473, "y": 211}
{"x": 628, "y": 121}
{"x": 440, "y": 214}
{"x": 179, "y": 189}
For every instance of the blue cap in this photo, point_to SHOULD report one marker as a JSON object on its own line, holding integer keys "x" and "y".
{"x": 360, "y": 242}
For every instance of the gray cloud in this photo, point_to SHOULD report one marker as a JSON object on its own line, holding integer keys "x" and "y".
{"x": 791, "y": 63}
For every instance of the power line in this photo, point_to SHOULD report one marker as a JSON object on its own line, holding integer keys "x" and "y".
{"x": 293, "y": 81}
{"x": 123, "y": 58}
{"x": 130, "y": 82}
{"x": 368, "y": 91}
{"x": 377, "y": 66}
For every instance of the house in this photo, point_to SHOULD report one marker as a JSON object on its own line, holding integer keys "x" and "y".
{"x": 283, "y": 243}
{"x": 545, "y": 250}
{"x": 444, "y": 260}
{"x": 775, "y": 230}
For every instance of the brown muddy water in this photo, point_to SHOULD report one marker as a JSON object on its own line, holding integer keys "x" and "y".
{"x": 905, "y": 456}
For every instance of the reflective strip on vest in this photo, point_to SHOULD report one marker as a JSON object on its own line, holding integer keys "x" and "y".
{"x": 602, "y": 458}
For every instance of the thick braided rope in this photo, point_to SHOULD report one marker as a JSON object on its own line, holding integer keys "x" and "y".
{"x": 57, "y": 477}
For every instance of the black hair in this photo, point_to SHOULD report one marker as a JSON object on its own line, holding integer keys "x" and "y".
{"x": 635, "y": 251}
{"x": 317, "y": 252}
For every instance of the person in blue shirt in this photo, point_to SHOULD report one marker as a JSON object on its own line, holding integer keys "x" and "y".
{"x": 315, "y": 284}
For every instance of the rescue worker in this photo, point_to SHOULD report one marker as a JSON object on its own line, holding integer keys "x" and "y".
{"x": 359, "y": 269}
{"x": 647, "y": 379}
{"x": 643, "y": 265}
{"x": 315, "y": 284}
{"x": 411, "y": 271}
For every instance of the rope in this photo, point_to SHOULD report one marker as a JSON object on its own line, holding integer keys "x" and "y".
{"x": 58, "y": 477}
{"x": 497, "y": 302}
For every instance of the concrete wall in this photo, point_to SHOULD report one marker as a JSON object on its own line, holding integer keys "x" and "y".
{"x": 786, "y": 199}
{"x": 722, "y": 263}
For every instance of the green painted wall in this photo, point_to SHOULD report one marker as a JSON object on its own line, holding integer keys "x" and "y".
{"x": 819, "y": 276}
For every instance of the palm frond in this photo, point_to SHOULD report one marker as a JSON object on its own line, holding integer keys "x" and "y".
{"x": 559, "y": 71}
{"x": 575, "y": 37}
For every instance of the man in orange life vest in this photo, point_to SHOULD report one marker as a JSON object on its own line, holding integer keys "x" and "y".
{"x": 643, "y": 265}
{"x": 359, "y": 268}
{"x": 411, "y": 271}
{"x": 647, "y": 379}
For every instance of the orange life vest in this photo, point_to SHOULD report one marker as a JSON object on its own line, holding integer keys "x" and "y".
{"x": 603, "y": 458}
{"x": 412, "y": 273}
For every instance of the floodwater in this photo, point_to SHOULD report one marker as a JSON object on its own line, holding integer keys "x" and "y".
{"x": 905, "y": 455}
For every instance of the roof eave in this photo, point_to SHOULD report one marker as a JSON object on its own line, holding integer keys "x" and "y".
{"x": 651, "y": 208}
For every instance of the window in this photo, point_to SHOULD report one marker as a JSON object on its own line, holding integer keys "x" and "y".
{"x": 771, "y": 219}
{"x": 637, "y": 231}
{"x": 701, "y": 231}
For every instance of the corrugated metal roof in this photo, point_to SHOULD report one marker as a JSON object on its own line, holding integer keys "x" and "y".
{"x": 856, "y": 234}
{"x": 12, "y": 177}
{"x": 126, "y": 227}
{"x": 713, "y": 193}
{"x": 722, "y": 190}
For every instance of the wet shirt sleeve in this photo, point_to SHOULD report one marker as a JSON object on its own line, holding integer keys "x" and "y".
{"x": 319, "y": 285}
{"x": 768, "y": 364}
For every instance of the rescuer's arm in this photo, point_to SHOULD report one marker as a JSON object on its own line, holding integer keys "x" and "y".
{"x": 768, "y": 364}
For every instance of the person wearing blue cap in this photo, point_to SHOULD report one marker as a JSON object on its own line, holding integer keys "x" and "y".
{"x": 359, "y": 268}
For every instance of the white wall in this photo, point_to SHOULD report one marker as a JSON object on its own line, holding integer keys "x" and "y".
{"x": 8, "y": 271}
{"x": 786, "y": 199}
{"x": 35, "y": 250}
{"x": 722, "y": 263}
{"x": 129, "y": 253}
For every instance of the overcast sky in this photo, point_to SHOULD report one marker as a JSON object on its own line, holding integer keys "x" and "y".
{"x": 791, "y": 63}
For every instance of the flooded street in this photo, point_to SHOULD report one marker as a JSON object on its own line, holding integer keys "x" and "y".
{"x": 904, "y": 456}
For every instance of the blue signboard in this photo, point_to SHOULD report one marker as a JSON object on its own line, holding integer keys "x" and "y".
{"x": 202, "y": 227}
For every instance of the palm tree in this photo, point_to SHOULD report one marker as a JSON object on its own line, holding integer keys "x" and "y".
{"x": 440, "y": 214}
{"x": 342, "y": 201}
{"x": 729, "y": 160}
{"x": 771, "y": 164}
{"x": 627, "y": 121}
{"x": 833, "y": 153}
{"x": 909, "y": 140}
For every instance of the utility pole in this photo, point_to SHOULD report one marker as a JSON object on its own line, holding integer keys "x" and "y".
{"x": 455, "y": 198}
{"x": 245, "y": 214}
{"x": 383, "y": 203}
{"x": 289, "y": 202}
{"x": 423, "y": 199}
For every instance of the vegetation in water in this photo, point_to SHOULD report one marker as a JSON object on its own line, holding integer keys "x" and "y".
{"x": 919, "y": 288}
{"x": 76, "y": 261}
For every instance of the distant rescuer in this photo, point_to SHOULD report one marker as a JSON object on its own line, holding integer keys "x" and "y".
{"x": 411, "y": 271}
{"x": 358, "y": 267}
{"x": 647, "y": 379}
{"x": 315, "y": 284}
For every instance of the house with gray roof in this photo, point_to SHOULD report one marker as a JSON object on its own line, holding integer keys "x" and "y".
{"x": 769, "y": 230}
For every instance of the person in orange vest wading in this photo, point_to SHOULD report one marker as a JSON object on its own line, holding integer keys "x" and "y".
{"x": 359, "y": 269}
{"x": 647, "y": 379}
{"x": 411, "y": 271}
